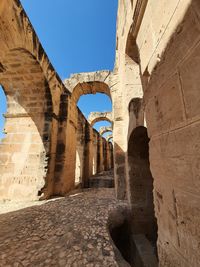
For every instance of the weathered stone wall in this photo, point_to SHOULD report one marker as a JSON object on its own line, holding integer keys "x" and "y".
{"x": 163, "y": 38}
{"x": 49, "y": 144}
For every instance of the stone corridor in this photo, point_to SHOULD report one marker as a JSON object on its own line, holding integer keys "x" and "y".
{"x": 70, "y": 231}
{"x": 51, "y": 149}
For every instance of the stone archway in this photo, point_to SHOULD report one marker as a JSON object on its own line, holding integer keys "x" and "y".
{"x": 84, "y": 84}
{"x": 99, "y": 116}
{"x": 88, "y": 83}
{"x": 141, "y": 185}
{"x": 25, "y": 148}
{"x": 105, "y": 129}
{"x": 25, "y": 65}
{"x": 109, "y": 137}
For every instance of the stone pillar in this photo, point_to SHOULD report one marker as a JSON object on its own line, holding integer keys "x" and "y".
{"x": 88, "y": 155}
{"x": 95, "y": 151}
{"x": 105, "y": 165}
{"x": 107, "y": 160}
{"x": 48, "y": 189}
{"x": 109, "y": 155}
{"x": 66, "y": 148}
{"x": 100, "y": 166}
{"x": 119, "y": 160}
{"x": 23, "y": 159}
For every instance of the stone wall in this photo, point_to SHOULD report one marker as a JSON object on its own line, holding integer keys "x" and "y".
{"x": 162, "y": 39}
{"x": 49, "y": 145}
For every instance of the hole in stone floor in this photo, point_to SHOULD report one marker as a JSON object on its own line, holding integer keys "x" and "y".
{"x": 121, "y": 237}
{"x": 120, "y": 233}
{"x": 130, "y": 249}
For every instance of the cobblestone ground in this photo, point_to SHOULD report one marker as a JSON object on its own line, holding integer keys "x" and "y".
{"x": 70, "y": 231}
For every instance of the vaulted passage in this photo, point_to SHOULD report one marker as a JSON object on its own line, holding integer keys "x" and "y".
{"x": 93, "y": 152}
{"x": 50, "y": 146}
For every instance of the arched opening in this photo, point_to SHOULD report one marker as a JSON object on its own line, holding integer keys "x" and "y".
{"x": 101, "y": 123}
{"x": 105, "y": 130}
{"x": 107, "y": 134}
{"x": 103, "y": 152}
{"x": 80, "y": 146}
{"x": 141, "y": 185}
{"x": 79, "y": 168}
{"x": 3, "y": 108}
{"x": 99, "y": 116}
{"x": 89, "y": 86}
{"x": 25, "y": 148}
{"x": 92, "y": 102}
{"x": 91, "y": 150}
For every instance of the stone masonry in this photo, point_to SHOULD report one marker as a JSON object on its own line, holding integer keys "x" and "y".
{"x": 50, "y": 148}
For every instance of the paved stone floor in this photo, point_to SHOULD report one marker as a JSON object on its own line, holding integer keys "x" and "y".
{"x": 71, "y": 231}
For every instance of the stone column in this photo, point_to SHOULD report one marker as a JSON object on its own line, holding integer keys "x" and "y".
{"x": 95, "y": 151}
{"x": 109, "y": 156}
{"x": 100, "y": 167}
{"x": 66, "y": 147}
{"x": 88, "y": 157}
{"x": 107, "y": 160}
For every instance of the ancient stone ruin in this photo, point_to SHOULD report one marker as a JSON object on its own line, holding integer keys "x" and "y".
{"x": 148, "y": 214}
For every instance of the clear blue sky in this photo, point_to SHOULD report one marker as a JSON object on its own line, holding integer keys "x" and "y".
{"x": 78, "y": 36}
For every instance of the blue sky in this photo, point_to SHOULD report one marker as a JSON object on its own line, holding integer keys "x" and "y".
{"x": 78, "y": 36}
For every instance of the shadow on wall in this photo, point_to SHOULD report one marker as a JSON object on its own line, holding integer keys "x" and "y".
{"x": 141, "y": 185}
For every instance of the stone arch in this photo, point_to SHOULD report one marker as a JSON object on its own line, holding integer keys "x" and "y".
{"x": 88, "y": 83}
{"x": 99, "y": 116}
{"x": 140, "y": 183}
{"x": 20, "y": 36}
{"x": 105, "y": 129}
{"x": 24, "y": 153}
{"x": 109, "y": 137}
